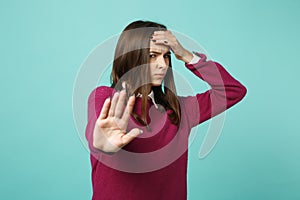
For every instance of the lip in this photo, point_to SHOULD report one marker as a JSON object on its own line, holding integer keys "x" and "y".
{"x": 160, "y": 75}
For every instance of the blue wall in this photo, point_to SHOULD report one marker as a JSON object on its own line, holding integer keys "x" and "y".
{"x": 43, "y": 44}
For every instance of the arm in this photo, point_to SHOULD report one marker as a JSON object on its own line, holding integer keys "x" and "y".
{"x": 225, "y": 90}
{"x": 224, "y": 93}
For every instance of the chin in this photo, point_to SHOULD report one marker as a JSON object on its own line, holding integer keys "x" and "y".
{"x": 156, "y": 84}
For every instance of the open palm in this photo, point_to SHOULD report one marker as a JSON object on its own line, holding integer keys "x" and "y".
{"x": 110, "y": 128}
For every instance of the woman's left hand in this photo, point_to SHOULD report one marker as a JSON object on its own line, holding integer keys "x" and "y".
{"x": 168, "y": 39}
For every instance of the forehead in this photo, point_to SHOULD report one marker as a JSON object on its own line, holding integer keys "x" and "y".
{"x": 159, "y": 47}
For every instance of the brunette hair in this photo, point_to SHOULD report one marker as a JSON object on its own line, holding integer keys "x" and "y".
{"x": 130, "y": 64}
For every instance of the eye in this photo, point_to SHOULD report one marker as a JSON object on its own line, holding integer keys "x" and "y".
{"x": 167, "y": 55}
{"x": 152, "y": 55}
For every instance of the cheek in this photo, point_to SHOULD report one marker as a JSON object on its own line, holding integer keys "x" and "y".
{"x": 151, "y": 67}
{"x": 152, "y": 62}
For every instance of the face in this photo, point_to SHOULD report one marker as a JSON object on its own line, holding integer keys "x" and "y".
{"x": 159, "y": 62}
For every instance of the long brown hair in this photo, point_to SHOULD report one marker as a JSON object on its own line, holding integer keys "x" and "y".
{"x": 130, "y": 64}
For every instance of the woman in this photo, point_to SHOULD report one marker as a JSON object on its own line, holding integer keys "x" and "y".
{"x": 138, "y": 128}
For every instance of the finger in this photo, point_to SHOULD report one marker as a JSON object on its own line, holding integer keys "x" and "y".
{"x": 167, "y": 34}
{"x": 105, "y": 108}
{"x": 159, "y": 37}
{"x": 129, "y": 108}
{"x": 166, "y": 43}
{"x": 126, "y": 138}
{"x": 161, "y": 41}
{"x": 163, "y": 35}
{"x": 120, "y": 104}
{"x": 160, "y": 32}
{"x": 113, "y": 104}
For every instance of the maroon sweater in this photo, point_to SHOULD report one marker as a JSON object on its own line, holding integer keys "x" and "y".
{"x": 154, "y": 165}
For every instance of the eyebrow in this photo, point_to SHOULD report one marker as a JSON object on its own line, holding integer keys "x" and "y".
{"x": 157, "y": 52}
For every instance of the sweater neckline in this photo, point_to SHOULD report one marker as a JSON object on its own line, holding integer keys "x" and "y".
{"x": 151, "y": 95}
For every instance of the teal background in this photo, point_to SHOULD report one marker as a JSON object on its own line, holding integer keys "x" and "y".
{"x": 43, "y": 44}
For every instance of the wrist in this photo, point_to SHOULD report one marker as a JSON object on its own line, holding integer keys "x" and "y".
{"x": 187, "y": 57}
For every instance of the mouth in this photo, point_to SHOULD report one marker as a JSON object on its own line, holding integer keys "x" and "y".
{"x": 159, "y": 75}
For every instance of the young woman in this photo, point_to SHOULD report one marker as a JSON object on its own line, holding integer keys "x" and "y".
{"x": 138, "y": 128}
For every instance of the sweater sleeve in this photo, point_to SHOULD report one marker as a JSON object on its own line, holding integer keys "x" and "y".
{"x": 95, "y": 104}
{"x": 224, "y": 93}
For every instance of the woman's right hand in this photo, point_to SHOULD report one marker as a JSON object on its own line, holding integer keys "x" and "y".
{"x": 110, "y": 128}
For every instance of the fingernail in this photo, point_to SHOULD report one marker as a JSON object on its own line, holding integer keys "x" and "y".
{"x": 131, "y": 96}
{"x": 124, "y": 84}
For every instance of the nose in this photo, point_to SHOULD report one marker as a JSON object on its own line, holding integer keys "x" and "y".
{"x": 161, "y": 62}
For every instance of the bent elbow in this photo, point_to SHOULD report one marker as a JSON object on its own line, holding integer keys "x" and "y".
{"x": 241, "y": 93}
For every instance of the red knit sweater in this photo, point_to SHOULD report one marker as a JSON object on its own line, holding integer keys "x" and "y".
{"x": 154, "y": 165}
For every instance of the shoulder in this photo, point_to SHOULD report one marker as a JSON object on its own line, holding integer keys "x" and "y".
{"x": 101, "y": 92}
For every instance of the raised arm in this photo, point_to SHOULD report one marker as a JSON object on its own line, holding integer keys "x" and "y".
{"x": 225, "y": 90}
{"x": 224, "y": 93}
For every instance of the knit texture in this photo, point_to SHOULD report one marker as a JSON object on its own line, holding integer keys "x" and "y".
{"x": 154, "y": 165}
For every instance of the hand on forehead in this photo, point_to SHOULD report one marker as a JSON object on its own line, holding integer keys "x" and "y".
{"x": 159, "y": 47}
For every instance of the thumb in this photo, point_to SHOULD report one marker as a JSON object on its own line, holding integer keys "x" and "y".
{"x": 133, "y": 133}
